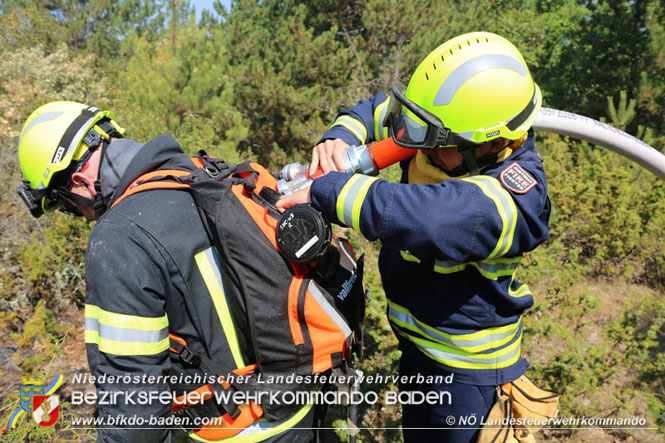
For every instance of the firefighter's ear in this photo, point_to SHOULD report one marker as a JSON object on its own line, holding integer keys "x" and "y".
{"x": 84, "y": 183}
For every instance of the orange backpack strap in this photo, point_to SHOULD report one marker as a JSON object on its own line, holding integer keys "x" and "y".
{"x": 161, "y": 179}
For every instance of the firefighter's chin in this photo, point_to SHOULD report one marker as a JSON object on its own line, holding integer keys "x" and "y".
{"x": 445, "y": 158}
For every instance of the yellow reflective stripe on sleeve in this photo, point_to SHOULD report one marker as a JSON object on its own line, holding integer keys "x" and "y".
{"x": 407, "y": 256}
{"x": 505, "y": 205}
{"x": 208, "y": 264}
{"x": 351, "y": 198}
{"x": 126, "y": 321}
{"x": 123, "y": 334}
{"x": 471, "y": 343}
{"x": 490, "y": 269}
{"x": 261, "y": 430}
{"x": 125, "y": 348}
{"x": 356, "y": 127}
{"x": 380, "y": 132}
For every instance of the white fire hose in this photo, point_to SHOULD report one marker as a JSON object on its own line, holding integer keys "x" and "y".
{"x": 593, "y": 131}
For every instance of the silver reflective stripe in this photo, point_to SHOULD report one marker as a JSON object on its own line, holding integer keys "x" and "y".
{"x": 493, "y": 266}
{"x": 458, "y": 342}
{"x": 496, "y": 267}
{"x": 356, "y": 127}
{"x": 213, "y": 258}
{"x": 521, "y": 291}
{"x": 491, "y": 269}
{"x": 350, "y": 200}
{"x": 505, "y": 206}
{"x": 379, "y": 116}
{"x": 125, "y": 334}
{"x": 79, "y": 135}
{"x": 37, "y": 120}
{"x": 332, "y": 313}
{"x": 511, "y": 216}
{"x": 491, "y": 362}
{"x": 472, "y": 67}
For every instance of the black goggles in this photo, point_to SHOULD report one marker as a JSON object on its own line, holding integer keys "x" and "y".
{"x": 428, "y": 133}
{"x": 40, "y": 200}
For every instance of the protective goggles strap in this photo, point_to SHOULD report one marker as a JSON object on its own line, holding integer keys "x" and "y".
{"x": 520, "y": 118}
{"x": 73, "y": 129}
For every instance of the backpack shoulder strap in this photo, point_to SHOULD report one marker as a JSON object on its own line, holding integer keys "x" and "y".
{"x": 160, "y": 179}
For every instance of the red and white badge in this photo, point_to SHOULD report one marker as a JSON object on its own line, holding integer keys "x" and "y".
{"x": 45, "y": 409}
{"x": 515, "y": 178}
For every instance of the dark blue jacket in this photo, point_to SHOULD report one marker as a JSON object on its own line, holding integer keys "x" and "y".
{"x": 151, "y": 270}
{"x": 450, "y": 251}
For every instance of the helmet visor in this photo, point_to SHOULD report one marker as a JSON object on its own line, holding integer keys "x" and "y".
{"x": 416, "y": 128}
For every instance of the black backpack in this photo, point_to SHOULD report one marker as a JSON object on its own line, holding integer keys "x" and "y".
{"x": 302, "y": 289}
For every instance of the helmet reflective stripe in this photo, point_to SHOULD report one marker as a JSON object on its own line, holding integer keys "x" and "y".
{"x": 61, "y": 152}
{"x": 472, "y": 67}
{"x": 42, "y": 118}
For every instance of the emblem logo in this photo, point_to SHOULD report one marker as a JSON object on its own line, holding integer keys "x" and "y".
{"x": 30, "y": 387}
{"x": 515, "y": 178}
{"x": 58, "y": 155}
{"x": 38, "y": 400}
{"x": 45, "y": 409}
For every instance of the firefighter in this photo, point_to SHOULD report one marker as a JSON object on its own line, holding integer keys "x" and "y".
{"x": 470, "y": 203}
{"x": 151, "y": 274}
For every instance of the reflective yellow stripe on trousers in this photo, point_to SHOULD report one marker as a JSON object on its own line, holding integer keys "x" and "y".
{"x": 122, "y": 334}
{"x": 491, "y": 348}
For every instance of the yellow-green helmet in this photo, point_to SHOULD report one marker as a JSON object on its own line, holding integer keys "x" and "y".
{"x": 54, "y": 137}
{"x": 479, "y": 86}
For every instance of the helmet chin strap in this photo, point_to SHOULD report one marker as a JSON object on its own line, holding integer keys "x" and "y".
{"x": 471, "y": 165}
{"x": 97, "y": 203}
{"x": 469, "y": 154}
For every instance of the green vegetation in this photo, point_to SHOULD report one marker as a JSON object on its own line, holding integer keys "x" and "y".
{"x": 264, "y": 79}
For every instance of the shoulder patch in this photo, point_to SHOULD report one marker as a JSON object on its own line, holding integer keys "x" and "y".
{"x": 515, "y": 178}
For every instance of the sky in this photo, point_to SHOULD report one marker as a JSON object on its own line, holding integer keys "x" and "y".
{"x": 200, "y": 5}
